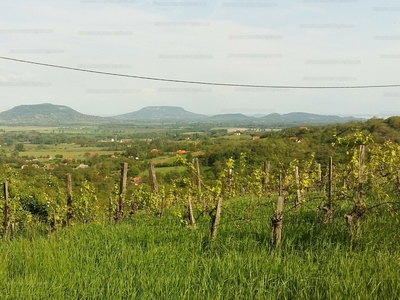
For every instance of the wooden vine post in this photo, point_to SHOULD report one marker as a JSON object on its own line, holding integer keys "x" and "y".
{"x": 6, "y": 210}
{"x": 319, "y": 170}
{"x": 122, "y": 192}
{"x": 330, "y": 181}
{"x": 319, "y": 173}
{"x": 276, "y": 228}
{"x": 132, "y": 212}
{"x": 328, "y": 207}
{"x": 190, "y": 214}
{"x": 398, "y": 183}
{"x": 110, "y": 208}
{"x": 154, "y": 185}
{"x": 229, "y": 180}
{"x": 69, "y": 198}
{"x": 197, "y": 182}
{"x": 361, "y": 176}
{"x": 354, "y": 219}
{"x": 267, "y": 166}
{"x": 153, "y": 178}
{"x": 298, "y": 193}
{"x": 280, "y": 184}
{"x": 215, "y": 219}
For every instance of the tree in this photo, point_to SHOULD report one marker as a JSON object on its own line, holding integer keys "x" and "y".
{"x": 19, "y": 147}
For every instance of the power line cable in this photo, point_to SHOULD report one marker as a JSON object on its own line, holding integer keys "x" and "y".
{"x": 200, "y": 82}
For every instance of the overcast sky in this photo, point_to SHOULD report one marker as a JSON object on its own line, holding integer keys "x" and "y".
{"x": 302, "y": 43}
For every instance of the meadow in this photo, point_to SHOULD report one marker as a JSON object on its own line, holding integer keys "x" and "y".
{"x": 147, "y": 257}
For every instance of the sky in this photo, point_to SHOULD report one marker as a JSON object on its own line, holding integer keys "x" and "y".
{"x": 258, "y": 42}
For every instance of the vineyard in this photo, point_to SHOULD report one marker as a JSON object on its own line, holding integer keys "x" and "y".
{"x": 367, "y": 177}
{"x": 319, "y": 229}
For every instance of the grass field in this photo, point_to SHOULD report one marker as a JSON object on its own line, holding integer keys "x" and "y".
{"x": 157, "y": 258}
{"x": 165, "y": 170}
{"x": 51, "y": 129}
{"x": 67, "y": 150}
{"x": 164, "y": 159}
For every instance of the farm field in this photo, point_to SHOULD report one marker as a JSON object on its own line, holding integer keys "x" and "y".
{"x": 164, "y": 170}
{"x": 88, "y": 130}
{"x": 157, "y": 258}
{"x": 43, "y": 129}
{"x": 114, "y": 229}
{"x": 66, "y": 150}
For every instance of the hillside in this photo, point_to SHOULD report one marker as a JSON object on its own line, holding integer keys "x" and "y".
{"x": 232, "y": 117}
{"x": 161, "y": 113}
{"x": 299, "y": 118}
{"x": 60, "y": 114}
{"x": 44, "y": 114}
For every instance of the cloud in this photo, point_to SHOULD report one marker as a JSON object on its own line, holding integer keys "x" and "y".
{"x": 211, "y": 43}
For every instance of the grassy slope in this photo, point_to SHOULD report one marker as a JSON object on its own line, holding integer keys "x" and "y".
{"x": 152, "y": 258}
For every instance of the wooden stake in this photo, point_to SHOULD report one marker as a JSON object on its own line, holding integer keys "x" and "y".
{"x": 328, "y": 207}
{"x": 6, "y": 210}
{"x": 69, "y": 198}
{"x": 330, "y": 181}
{"x": 162, "y": 205}
{"x": 276, "y": 228}
{"x": 354, "y": 219}
{"x": 267, "y": 166}
{"x": 196, "y": 175}
{"x": 280, "y": 184}
{"x": 54, "y": 223}
{"x": 154, "y": 186}
{"x": 398, "y": 183}
{"x": 229, "y": 181}
{"x": 153, "y": 178}
{"x": 361, "y": 176}
{"x": 122, "y": 192}
{"x": 298, "y": 194}
{"x": 216, "y": 219}
{"x": 110, "y": 209}
{"x": 319, "y": 170}
{"x": 319, "y": 173}
{"x": 197, "y": 181}
{"x": 192, "y": 221}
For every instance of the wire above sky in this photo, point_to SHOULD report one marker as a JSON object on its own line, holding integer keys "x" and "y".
{"x": 199, "y": 82}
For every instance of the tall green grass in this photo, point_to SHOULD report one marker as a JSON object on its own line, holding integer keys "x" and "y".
{"x": 157, "y": 258}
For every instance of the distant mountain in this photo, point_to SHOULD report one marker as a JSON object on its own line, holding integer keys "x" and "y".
{"x": 272, "y": 117}
{"x": 161, "y": 113}
{"x": 45, "y": 114}
{"x": 231, "y": 117}
{"x": 60, "y": 114}
{"x": 304, "y": 118}
{"x": 256, "y": 115}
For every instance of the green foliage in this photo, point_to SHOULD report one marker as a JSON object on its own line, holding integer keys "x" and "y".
{"x": 320, "y": 261}
{"x": 85, "y": 206}
{"x": 155, "y": 258}
{"x": 19, "y": 147}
